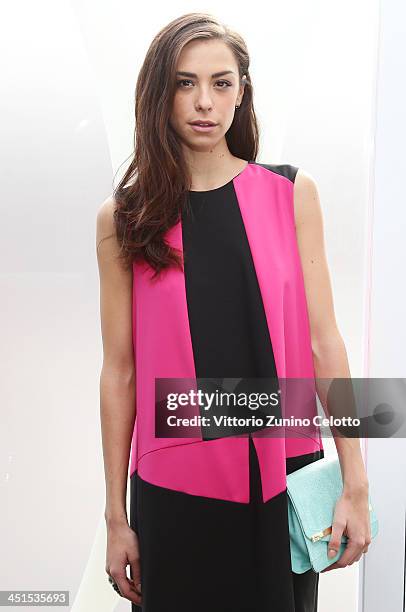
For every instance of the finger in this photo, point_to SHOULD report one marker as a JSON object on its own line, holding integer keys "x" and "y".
{"x": 135, "y": 572}
{"x": 126, "y": 589}
{"x": 363, "y": 552}
{"x": 330, "y": 567}
{"x": 354, "y": 547}
{"x": 136, "y": 595}
{"x": 357, "y": 558}
{"x": 335, "y": 540}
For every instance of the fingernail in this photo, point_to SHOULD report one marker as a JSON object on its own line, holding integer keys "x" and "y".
{"x": 331, "y": 552}
{"x": 139, "y": 588}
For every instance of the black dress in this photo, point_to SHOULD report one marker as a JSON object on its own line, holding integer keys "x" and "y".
{"x": 238, "y": 555}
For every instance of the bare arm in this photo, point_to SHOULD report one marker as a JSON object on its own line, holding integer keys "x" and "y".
{"x": 117, "y": 396}
{"x": 329, "y": 352}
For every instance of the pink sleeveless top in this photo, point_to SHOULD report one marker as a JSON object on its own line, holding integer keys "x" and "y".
{"x": 162, "y": 343}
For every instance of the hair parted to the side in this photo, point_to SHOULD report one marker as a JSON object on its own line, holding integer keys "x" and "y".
{"x": 153, "y": 191}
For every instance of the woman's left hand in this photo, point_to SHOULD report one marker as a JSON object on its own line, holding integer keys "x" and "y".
{"x": 351, "y": 518}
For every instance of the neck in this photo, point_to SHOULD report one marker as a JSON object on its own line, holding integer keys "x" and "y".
{"x": 210, "y": 169}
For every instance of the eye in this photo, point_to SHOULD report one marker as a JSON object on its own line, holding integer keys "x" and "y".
{"x": 183, "y": 81}
{"x": 226, "y": 83}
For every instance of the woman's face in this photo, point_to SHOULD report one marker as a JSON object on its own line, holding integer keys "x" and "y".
{"x": 204, "y": 94}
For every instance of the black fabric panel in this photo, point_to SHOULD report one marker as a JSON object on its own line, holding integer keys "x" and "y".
{"x": 229, "y": 331}
{"x": 227, "y": 319}
{"x": 286, "y": 170}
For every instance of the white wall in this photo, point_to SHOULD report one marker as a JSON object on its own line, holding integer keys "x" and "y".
{"x": 384, "y": 576}
{"x": 55, "y": 172}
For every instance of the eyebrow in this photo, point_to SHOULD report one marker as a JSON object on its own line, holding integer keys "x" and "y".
{"x": 213, "y": 76}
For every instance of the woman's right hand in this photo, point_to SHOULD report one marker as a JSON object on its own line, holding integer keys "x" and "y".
{"x": 123, "y": 550}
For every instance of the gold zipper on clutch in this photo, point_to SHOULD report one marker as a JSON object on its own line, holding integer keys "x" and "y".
{"x": 321, "y": 534}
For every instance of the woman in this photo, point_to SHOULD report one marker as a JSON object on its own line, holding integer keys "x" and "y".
{"x": 208, "y": 526}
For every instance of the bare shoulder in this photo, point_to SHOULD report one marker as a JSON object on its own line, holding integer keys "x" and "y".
{"x": 107, "y": 243}
{"x": 106, "y": 236}
{"x": 105, "y": 218}
{"x": 306, "y": 198}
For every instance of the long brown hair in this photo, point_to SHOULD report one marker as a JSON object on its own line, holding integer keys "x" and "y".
{"x": 153, "y": 191}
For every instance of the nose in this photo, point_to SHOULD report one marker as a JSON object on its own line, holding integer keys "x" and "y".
{"x": 203, "y": 99}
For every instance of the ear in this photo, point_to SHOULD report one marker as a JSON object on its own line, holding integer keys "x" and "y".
{"x": 241, "y": 90}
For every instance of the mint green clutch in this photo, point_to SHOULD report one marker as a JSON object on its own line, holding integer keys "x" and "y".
{"x": 313, "y": 491}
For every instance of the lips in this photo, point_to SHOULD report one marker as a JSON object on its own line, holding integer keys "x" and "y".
{"x": 203, "y": 123}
